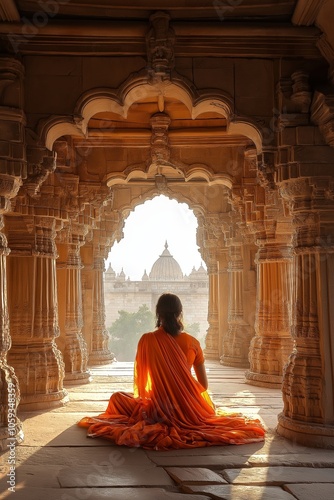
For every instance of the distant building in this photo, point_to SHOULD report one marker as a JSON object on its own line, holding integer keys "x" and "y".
{"x": 166, "y": 276}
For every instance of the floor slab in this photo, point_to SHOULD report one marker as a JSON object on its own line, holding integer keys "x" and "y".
{"x": 58, "y": 462}
{"x": 228, "y": 492}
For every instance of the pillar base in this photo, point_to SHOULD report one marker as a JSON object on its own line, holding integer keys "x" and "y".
{"x": 8, "y": 436}
{"x": 77, "y": 378}
{"x": 313, "y": 435}
{"x": 101, "y": 358}
{"x": 43, "y": 401}
{"x": 235, "y": 362}
{"x": 211, "y": 354}
{"x": 263, "y": 379}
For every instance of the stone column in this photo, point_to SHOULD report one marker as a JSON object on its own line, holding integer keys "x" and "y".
{"x": 211, "y": 341}
{"x": 70, "y": 295}
{"x": 272, "y": 344}
{"x": 222, "y": 297}
{"x": 100, "y": 352}
{"x": 10, "y": 425}
{"x": 13, "y": 169}
{"x": 308, "y": 385}
{"x": 87, "y": 283}
{"x": 210, "y": 240}
{"x": 238, "y": 337}
{"x": 33, "y": 309}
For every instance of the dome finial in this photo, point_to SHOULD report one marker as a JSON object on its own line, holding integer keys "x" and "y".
{"x": 166, "y": 245}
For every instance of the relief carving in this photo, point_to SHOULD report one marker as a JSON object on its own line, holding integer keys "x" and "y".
{"x": 11, "y": 70}
{"x": 40, "y": 164}
{"x": 266, "y": 170}
{"x": 294, "y": 95}
{"x": 160, "y": 150}
{"x": 322, "y": 114}
{"x": 160, "y": 46}
{"x": 9, "y": 187}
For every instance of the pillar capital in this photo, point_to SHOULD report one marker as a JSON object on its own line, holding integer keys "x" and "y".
{"x": 12, "y": 122}
{"x": 9, "y": 187}
{"x": 210, "y": 232}
{"x": 40, "y": 164}
{"x": 322, "y": 113}
{"x": 97, "y": 195}
{"x": 11, "y": 82}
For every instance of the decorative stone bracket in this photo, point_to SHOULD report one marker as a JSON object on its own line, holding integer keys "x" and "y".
{"x": 41, "y": 163}
{"x": 160, "y": 47}
{"x": 322, "y": 114}
{"x": 295, "y": 92}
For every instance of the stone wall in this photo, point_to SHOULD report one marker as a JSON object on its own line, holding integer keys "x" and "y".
{"x": 130, "y": 295}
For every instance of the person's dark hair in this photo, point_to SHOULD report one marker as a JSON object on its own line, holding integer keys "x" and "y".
{"x": 169, "y": 312}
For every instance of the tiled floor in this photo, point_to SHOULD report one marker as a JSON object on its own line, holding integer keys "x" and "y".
{"x": 57, "y": 462}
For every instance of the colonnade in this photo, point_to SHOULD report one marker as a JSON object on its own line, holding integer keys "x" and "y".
{"x": 291, "y": 346}
{"x": 267, "y": 240}
{"x": 44, "y": 227}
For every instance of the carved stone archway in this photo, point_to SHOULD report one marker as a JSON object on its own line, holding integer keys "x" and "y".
{"x": 230, "y": 118}
{"x": 209, "y": 231}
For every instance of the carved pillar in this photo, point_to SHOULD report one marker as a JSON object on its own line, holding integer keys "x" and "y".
{"x": 308, "y": 385}
{"x": 70, "y": 295}
{"x": 33, "y": 308}
{"x": 10, "y": 425}
{"x": 100, "y": 352}
{"x": 87, "y": 283}
{"x": 265, "y": 218}
{"x": 237, "y": 340}
{"x": 208, "y": 234}
{"x": 211, "y": 340}
{"x": 13, "y": 169}
{"x": 222, "y": 296}
{"x": 272, "y": 344}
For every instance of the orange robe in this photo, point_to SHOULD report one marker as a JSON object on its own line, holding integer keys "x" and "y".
{"x": 169, "y": 408}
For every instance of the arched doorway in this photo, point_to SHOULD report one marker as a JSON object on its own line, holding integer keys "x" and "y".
{"x": 158, "y": 253}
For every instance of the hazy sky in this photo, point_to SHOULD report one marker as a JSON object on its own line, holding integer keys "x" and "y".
{"x": 145, "y": 232}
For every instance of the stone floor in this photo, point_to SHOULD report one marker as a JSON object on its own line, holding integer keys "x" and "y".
{"x": 57, "y": 462}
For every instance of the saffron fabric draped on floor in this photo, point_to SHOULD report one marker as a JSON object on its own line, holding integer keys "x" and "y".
{"x": 169, "y": 408}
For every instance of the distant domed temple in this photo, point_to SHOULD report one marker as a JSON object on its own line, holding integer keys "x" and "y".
{"x": 165, "y": 276}
{"x": 166, "y": 268}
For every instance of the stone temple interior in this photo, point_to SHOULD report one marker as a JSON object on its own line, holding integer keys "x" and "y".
{"x": 227, "y": 106}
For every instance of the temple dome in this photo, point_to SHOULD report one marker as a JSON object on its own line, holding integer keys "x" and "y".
{"x": 166, "y": 268}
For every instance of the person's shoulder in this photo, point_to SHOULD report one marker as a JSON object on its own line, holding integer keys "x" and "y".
{"x": 148, "y": 335}
{"x": 190, "y": 338}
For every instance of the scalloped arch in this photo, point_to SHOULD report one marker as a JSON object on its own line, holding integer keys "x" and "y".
{"x": 195, "y": 171}
{"x": 198, "y": 209}
{"x": 125, "y": 211}
{"x": 51, "y": 129}
{"x": 136, "y": 89}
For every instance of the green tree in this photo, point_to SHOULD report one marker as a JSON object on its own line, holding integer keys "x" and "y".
{"x": 193, "y": 329}
{"x": 126, "y": 331}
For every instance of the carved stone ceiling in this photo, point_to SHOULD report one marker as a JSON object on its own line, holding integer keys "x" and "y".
{"x": 274, "y": 10}
{"x": 232, "y": 28}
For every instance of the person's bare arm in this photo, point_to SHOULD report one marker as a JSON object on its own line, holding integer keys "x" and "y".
{"x": 201, "y": 375}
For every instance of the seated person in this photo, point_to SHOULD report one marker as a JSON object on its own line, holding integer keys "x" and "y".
{"x": 170, "y": 408}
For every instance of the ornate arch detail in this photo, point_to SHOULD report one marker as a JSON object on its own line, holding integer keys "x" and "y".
{"x": 245, "y": 126}
{"x": 187, "y": 173}
{"x": 50, "y": 129}
{"x": 152, "y": 193}
{"x": 125, "y": 211}
{"x": 138, "y": 87}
